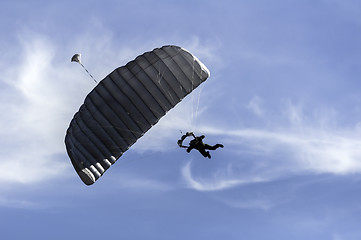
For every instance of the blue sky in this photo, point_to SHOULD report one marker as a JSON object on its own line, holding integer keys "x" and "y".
{"x": 283, "y": 97}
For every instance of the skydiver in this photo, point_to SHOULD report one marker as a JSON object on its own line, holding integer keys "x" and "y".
{"x": 197, "y": 143}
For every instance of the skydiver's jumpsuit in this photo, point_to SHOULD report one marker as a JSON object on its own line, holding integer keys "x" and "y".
{"x": 198, "y": 144}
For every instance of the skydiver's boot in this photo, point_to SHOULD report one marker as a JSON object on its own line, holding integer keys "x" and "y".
{"x": 208, "y": 155}
{"x": 219, "y": 145}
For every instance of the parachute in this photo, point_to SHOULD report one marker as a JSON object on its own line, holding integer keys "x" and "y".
{"x": 126, "y": 104}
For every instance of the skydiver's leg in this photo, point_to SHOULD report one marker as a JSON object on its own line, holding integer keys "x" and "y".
{"x": 204, "y": 153}
{"x": 209, "y": 147}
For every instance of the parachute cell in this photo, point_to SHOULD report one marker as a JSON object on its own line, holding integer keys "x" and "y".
{"x": 126, "y": 104}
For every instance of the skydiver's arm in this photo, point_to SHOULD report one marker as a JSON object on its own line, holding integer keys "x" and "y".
{"x": 189, "y": 148}
{"x": 180, "y": 143}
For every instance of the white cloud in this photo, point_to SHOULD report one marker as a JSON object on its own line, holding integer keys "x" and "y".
{"x": 255, "y": 105}
{"x": 43, "y": 90}
{"x": 138, "y": 183}
{"x": 20, "y": 204}
{"x": 34, "y": 105}
{"x": 220, "y": 180}
{"x": 253, "y": 203}
{"x": 294, "y": 113}
{"x": 312, "y": 149}
{"x": 308, "y": 144}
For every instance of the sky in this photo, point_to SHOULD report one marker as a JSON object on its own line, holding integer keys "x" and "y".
{"x": 283, "y": 97}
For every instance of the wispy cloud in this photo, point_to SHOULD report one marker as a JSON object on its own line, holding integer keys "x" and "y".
{"x": 220, "y": 180}
{"x": 35, "y": 103}
{"x": 253, "y": 203}
{"x": 42, "y": 91}
{"x": 302, "y": 146}
{"x": 294, "y": 141}
{"x": 139, "y": 183}
{"x": 311, "y": 149}
{"x": 255, "y": 105}
{"x": 20, "y": 204}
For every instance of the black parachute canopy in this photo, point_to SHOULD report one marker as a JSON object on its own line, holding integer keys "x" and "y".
{"x": 126, "y": 104}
